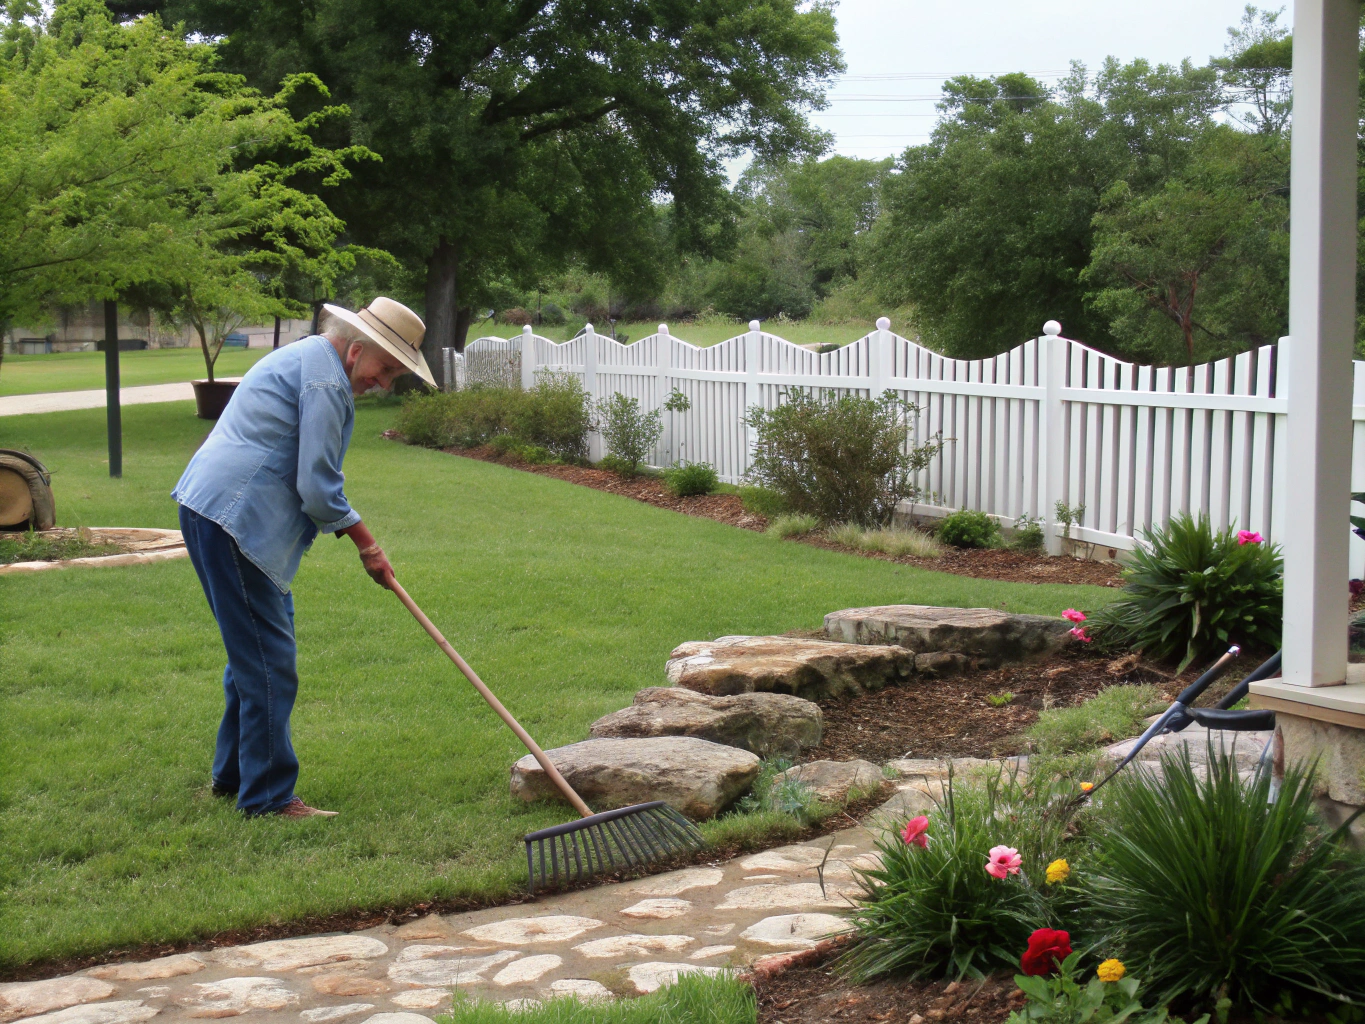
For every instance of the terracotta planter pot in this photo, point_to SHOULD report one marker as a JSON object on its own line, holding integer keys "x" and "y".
{"x": 211, "y": 397}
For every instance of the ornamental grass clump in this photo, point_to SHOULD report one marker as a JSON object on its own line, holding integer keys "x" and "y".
{"x": 1189, "y": 591}
{"x": 961, "y": 889}
{"x": 691, "y": 478}
{"x": 1211, "y": 887}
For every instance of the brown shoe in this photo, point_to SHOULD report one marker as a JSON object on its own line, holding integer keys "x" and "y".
{"x": 296, "y": 808}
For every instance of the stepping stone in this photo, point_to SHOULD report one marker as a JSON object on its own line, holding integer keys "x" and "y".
{"x": 986, "y": 634}
{"x": 836, "y": 782}
{"x": 291, "y": 954}
{"x": 528, "y": 969}
{"x": 707, "y": 952}
{"x": 325, "y": 1013}
{"x": 232, "y": 996}
{"x": 633, "y": 945}
{"x": 584, "y": 990}
{"x": 784, "y": 858}
{"x": 153, "y": 992}
{"x": 697, "y": 777}
{"x": 341, "y": 984}
{"x": 517, "y": 1005}
{"x": 653, "y": 976}
{"x": 768, "y": 724}
{"x": 658, "y": 910}
{"x": 774, "y": 897}
{"x": 432, "y": 926}
{"x": 813, "y": 669}
{"x": 1245, "y": 747}
{"x": 436, "y": 972}
{"x": 122, "y": 1011}
{"x": 397, "y": 1018}
{"x": 166, "y": 967}
{"x": 420, "y": 998}
{"x": 678, "y": 881}
{"x": 28, "y": 998}
{"x": 519, "y": 931}
{"x": 795, "y": 931}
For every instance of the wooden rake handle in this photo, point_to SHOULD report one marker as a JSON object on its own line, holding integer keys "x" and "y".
{"x": 493, "y": 701}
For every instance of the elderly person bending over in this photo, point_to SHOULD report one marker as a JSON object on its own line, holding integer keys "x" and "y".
{"x": 264, "y": 484}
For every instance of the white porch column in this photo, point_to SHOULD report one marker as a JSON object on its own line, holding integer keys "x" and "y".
{"x": 1322, "y": 265}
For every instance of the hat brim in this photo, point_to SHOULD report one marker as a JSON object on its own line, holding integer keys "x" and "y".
{"x": 417, "y": 365}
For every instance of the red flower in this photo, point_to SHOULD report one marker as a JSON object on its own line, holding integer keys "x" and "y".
{"x": 916, "y": 830}
{"x": 1047, "y": 947}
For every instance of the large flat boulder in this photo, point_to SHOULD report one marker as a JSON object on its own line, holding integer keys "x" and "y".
{"x": 698, "y": 777}
{"x": 985, "y": 634}
{"x": 768, "y": 724}
{"x": 812, "y": 669}
{"x": 836, "y": 782}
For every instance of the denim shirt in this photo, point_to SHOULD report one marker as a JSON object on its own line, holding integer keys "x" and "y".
{"x": 270, "y": 472}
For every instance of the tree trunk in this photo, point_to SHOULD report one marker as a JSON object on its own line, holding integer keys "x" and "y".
{"x": 317, "y": 314}
{"x": 464, "y": 316}
{"x": 277, "y": 333}
{"x": 443, "y": 292}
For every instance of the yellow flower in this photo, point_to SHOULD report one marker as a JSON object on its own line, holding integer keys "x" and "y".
{"x": 1111, "y": 970}
{"x": 1058, "y": 871}
{"x": 1086, "y": 787}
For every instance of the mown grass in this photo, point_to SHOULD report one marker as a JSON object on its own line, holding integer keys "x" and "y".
{"x": 566, "y": 599}
{"x": 83, "y": 371}
{"x": 693, "y": 999}
{"x": 1113, "y": 714}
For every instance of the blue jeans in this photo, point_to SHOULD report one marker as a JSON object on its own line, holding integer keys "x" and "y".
{"x": 254, "y": 757}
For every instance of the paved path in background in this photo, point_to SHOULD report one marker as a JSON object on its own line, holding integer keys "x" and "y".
{"x": 618, "y": 939}
{"x": 63, "y": 401}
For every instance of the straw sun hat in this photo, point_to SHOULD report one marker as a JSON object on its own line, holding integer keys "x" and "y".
{"x": 394, "y": 327}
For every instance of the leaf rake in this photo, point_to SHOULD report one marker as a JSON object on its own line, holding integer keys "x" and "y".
{"x": 626, "y": 838}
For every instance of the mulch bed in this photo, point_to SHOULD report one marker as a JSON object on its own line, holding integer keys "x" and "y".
{"x": 813, "y": 993}
{"x": 1009, "y": 566}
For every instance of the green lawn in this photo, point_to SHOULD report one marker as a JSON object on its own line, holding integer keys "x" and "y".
{"x": 81, "y": 371}
{"x": 566, "y": 599}
{"x": 710, "y": 333}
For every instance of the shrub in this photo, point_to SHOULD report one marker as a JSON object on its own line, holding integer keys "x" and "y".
{"x": 1113, "y": 714}
{"x": 556, "y": 415}
{"x": 516, "y": 316}
{"x": 1028, "y": 535}
{"x": 762, "y": 501}
{"x": 788, "y": 525}
{"x": 1209, "y": 886}
{"x": 1062, "y": 999}
{"x": 1188, "y": 590}
{"x": 842, "y": 459}
{"x": 966, "y": 528}
{"x": 552, "y": 314}
{"x": 466, "y": 418}
{"x": 898, "y": 543}
{"x": 691, "y": 478}
{"x": 933, "y": 910}
{"x": 629, "y": 434}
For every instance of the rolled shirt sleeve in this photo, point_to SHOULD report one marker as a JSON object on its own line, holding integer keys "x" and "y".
{"x": 324, "y": 410}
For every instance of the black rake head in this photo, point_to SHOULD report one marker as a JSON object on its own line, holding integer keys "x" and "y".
{"x": 629, "y": 837}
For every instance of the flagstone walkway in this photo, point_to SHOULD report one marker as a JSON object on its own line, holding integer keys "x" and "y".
{"x": 62, "y": 401}
{"x": 600, "y": 943}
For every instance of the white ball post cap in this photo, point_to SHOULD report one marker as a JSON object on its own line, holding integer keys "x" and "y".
{"x": 1052, "y": 328}
{"x": 663, "y": 328}
{"x": 753, "y": 325}
{"x": 883, "y": 323}
{"x": 587, "y": 327}
{"x": 526, "y": 329}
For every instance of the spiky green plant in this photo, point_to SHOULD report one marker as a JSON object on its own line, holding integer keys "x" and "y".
{"x": 1208, "y": 888}
{"x": 1189, "y": 590}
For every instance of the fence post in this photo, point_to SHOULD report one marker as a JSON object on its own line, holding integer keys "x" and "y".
{"x": 448, "y": 369}
{"x": 590, "y": 386}
{"x": 751, "y": 344}
{"x": 662, "y": 390}
{"x": 1053, "y": 453}
{"x": 528, "y": 359}
{"x": 882, "y": 358}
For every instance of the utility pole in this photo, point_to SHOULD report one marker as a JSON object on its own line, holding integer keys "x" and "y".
{"x": 113, "y": 413}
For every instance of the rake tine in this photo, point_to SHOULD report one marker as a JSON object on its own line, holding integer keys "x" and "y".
{"x": 638, "y": 829}
{"x": 659, "y": 826}
{"x": 627, "y": 843}
{"x": 530, "y": 868}
{"x": 567, "y": 846}
{"x": 578, "y": 862}
{"x": 592, "y": 837}
{"x": 689, "y": 834}
{"x": 621, "y": 848}
{"x": 606, "y": 845}
{"x": 681, "y": 836}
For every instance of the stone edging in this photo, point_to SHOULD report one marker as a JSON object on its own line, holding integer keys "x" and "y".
{"x": 146, "y": 545}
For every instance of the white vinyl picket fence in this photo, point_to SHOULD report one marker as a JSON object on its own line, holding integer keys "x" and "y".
{"x": 1051, "y": 420}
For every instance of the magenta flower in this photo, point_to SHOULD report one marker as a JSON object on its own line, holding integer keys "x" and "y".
{"x": 1004, "y": 861}
{"x": 1079, "y": 634}
{"x": 1249, "y": 537}
{"x": 1071, "y": 615}
{"x": 916, "y": 831}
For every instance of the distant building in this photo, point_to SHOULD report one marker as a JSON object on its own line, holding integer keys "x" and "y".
{"x": 81, "y": 329}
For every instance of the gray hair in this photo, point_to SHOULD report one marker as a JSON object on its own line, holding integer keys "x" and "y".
{"x": 334, "y": 329}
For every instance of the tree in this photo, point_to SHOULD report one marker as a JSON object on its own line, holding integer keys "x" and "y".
{"x": 516, "y": 134}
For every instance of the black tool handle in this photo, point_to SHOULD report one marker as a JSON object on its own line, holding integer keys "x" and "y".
{"x": 1264, "y": 670}
{"x": 1191, "y": 693}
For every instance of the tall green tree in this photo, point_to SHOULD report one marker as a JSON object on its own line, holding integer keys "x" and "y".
{"x": 517, "y": 134}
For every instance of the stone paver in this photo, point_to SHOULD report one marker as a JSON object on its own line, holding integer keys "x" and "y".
{"x": 614, "y": 940}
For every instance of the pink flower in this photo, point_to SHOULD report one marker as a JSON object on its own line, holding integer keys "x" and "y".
{"x": 1004, "y": 861}
{"x": 1079, "y": 634}
{"x": 1071, "y": 615}
{"x": 915, "y": 831}
{"x": 1249, "y": 537}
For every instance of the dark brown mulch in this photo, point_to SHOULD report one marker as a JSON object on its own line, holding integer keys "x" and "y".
{"x": 952, "y": 717}
{"x": 813, "y": 993}
{"x": 1010, "y": 566}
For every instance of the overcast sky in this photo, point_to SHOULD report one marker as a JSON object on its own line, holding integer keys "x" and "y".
{"x": 933, "y": 40}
